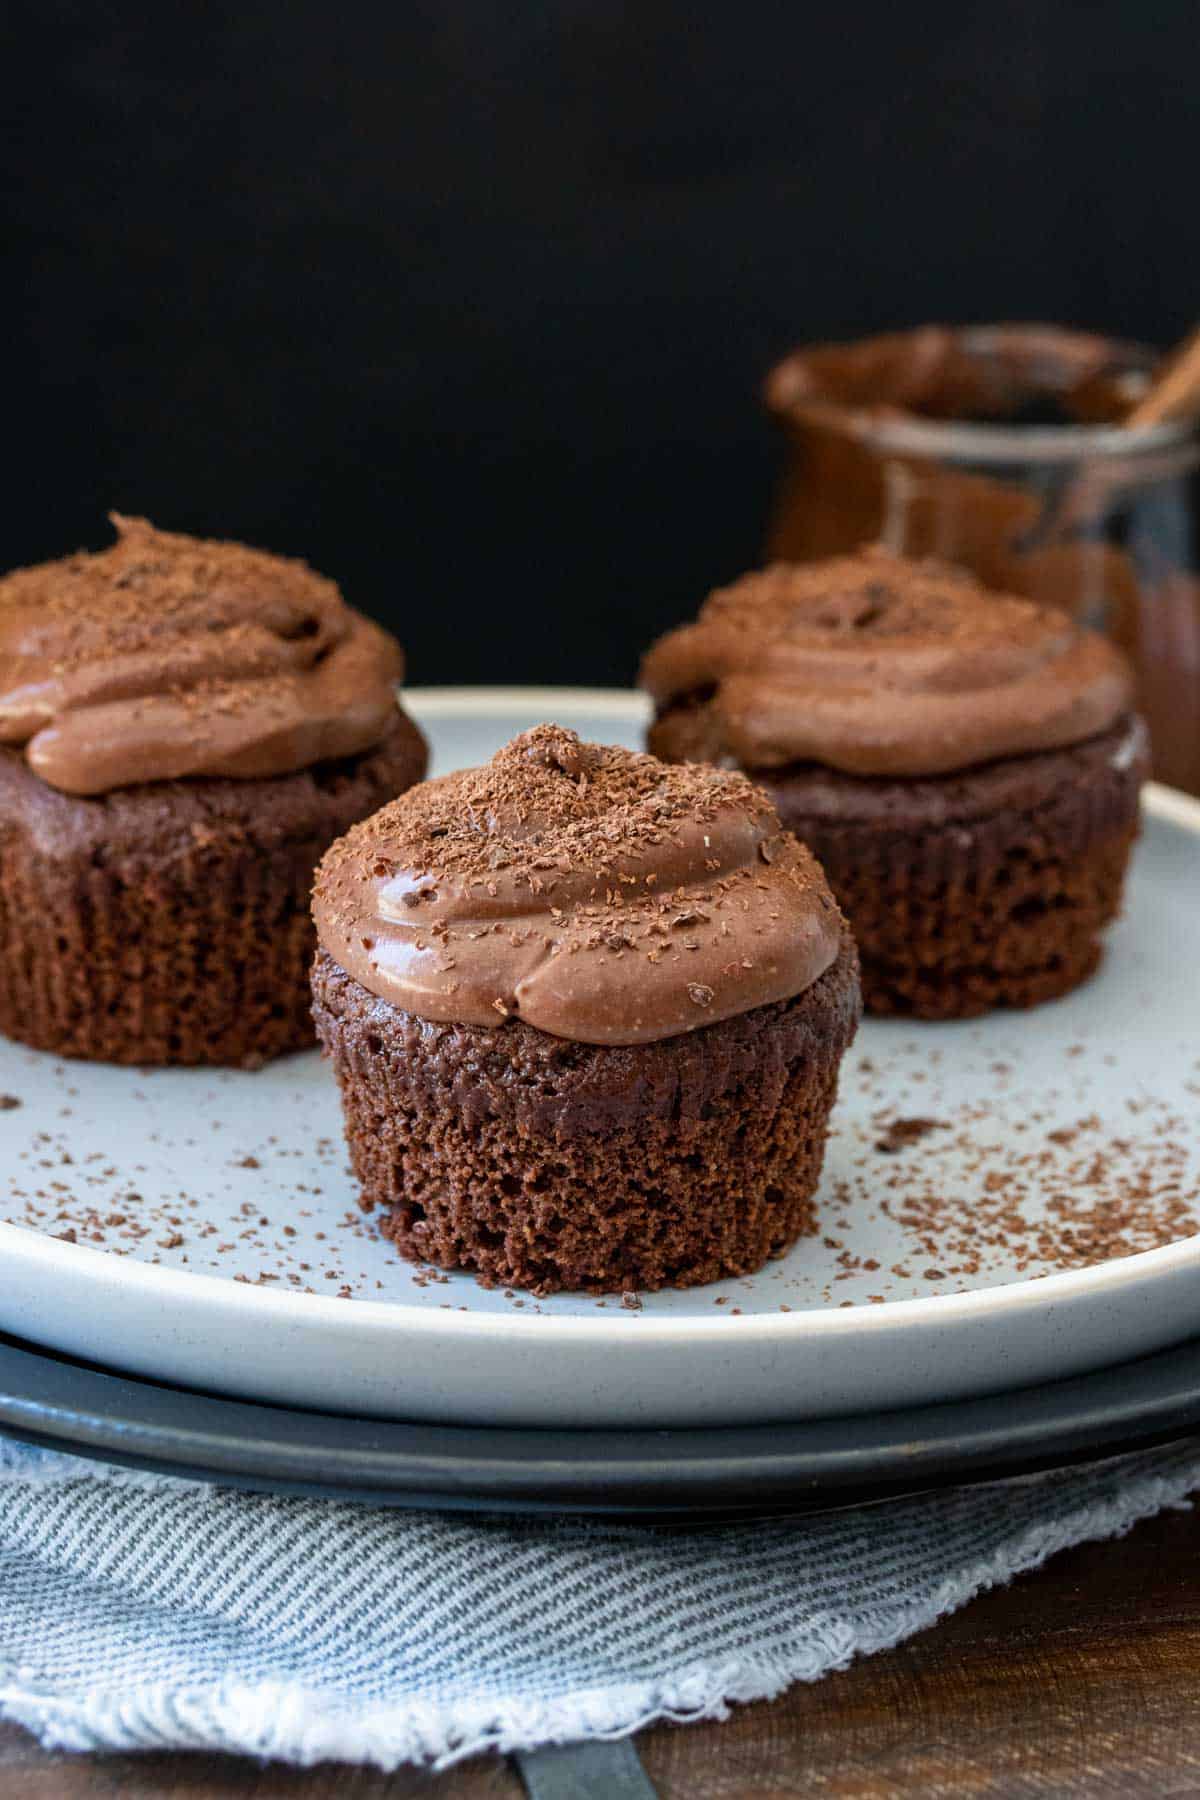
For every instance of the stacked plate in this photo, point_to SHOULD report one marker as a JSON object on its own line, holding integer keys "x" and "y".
{"x": 1007, "y": 1271}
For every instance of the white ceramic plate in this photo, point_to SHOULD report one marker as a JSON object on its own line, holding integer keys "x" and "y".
{"x": 1042, "y": 1224}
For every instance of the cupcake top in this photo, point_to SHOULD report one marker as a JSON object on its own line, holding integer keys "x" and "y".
{"x": 876, "y": 665}
{"x": 167, "y": 656}
{"x": 596, "y": 894}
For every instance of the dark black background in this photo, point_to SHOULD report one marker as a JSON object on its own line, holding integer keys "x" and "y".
{"x": 469, "y": 303}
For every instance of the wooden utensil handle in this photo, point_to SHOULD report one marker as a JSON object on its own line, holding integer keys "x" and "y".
{"x": 1175, "y": 391}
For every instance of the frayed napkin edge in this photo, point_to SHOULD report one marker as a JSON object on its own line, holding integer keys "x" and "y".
{"x": 303, "y": 1726}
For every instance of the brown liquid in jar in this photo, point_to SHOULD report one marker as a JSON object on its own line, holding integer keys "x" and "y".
{"x": 1000, "y": 448}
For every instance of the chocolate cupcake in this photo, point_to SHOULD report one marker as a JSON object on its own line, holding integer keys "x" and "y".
{"x": 587, "y": 1013}
{"x": 965, "y": 765}
{"x": 185, "y": 728}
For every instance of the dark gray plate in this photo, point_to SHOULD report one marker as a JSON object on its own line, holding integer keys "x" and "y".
{"x": 654, "y": 1475}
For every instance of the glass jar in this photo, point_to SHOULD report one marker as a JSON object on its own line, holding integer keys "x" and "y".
{"x": 997, "y": 447}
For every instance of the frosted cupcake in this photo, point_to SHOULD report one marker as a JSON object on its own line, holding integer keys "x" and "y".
{"x": 587, "y": 1013}
{"x": 965, "y": 765}
{"x": 185, "y": 727}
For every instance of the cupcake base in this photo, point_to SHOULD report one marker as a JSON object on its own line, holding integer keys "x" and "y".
{"x": 170, "y": 923}
{"x": 965, "y": 892}
{"x": 947, "y": 950}
{"x": 546, "y": 1164}
{"x": 982, "y": 890}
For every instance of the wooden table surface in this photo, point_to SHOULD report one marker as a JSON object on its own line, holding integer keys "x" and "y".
{"x": 1083, "y": 1679}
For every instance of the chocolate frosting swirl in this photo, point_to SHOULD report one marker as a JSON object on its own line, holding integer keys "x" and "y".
{"x": 168, "y": 656}
{"x": 876, "y": 665}
{"x": 593, "y": 893}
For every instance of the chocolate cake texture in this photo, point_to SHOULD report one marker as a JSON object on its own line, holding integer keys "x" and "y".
{"x": 965, "y": 766}
{"x": 587, "y": 1014}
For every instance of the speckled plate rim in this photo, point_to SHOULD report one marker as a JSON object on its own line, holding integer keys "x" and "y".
{"x": 384, "y": 1318}
{"x": 469, "y": 702}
